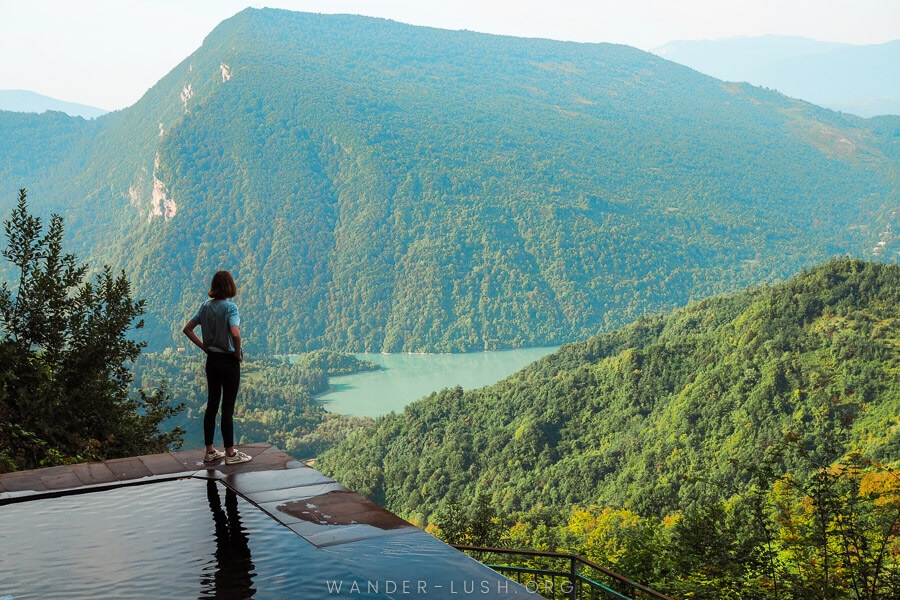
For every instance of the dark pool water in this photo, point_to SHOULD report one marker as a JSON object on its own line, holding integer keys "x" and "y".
{"x": 179, "y": 539}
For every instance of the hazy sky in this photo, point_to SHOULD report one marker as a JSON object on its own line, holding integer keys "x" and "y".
{"x": 107, "y": 53}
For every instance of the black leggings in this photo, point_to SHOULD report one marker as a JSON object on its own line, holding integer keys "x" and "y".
{"x": 223, "y": 375}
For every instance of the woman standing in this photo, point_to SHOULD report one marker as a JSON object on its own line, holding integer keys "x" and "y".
{"x": 220, "y": 326}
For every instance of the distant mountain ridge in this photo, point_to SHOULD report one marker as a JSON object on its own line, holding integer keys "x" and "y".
{"x": 384, "y": 187}
{"x": 860, "y": 80}
{"x": 32, "y": 102}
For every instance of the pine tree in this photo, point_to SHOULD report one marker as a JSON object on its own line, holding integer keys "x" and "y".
{"x": 65, "y": 355}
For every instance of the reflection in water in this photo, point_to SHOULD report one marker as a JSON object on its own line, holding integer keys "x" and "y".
{"x": 232, "y": 568}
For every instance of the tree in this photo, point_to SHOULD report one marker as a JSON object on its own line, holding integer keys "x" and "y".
{"x": 452, "y": 523}
{"x": 65, "y": 355}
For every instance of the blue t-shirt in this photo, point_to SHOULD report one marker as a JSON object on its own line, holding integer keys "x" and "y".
{"x": 216, "y": 318}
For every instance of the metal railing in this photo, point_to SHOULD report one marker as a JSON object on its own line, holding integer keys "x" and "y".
{"x": 559, "y": 576}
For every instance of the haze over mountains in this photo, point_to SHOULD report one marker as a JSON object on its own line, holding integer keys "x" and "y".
{"x": 861, "y": 80}
{"x": 31, "y": 102}
{"x": 378, "y": 186}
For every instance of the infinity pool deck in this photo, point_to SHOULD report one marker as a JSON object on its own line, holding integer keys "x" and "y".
{"x": 332, "y": 519}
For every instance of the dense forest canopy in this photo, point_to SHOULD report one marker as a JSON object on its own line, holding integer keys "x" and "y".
{"x": 745, "y": 446}
{"x": 383, "y": 187}
{"x": 652, "y": 416}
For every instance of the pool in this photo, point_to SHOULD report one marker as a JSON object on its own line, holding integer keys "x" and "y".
{"x": 188, "y": 538}
{"x": 150, "y": 527}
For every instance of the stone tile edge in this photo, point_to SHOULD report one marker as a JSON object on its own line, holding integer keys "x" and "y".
{"x": 25, "y": 495}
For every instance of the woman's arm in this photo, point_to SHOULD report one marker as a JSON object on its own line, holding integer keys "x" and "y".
{"x": 189, "y": 331}
{"x": 236, "y": 337}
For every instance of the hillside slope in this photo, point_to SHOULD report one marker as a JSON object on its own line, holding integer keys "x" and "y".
{"x": 658, "y": 415}
{"x": 382, "y": 187}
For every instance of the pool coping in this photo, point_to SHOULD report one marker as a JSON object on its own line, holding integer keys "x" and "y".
{"x": 65, "y": 479}
{"x": 286, "y": 489}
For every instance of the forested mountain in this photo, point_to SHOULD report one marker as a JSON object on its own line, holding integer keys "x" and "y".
{"x": 666, "y": 414}
{"x": 379, "y": 186}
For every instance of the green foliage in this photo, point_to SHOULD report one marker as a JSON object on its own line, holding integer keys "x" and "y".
{"x": 832, "y": 533}
{"x": 683, "y": 431}
{"x": 478, "y": 526}
{"x": 64, "y": 380}
{"x": 381, "y": 187}
{"x": 645, "y": 417}
{"x": 453, "y": 523}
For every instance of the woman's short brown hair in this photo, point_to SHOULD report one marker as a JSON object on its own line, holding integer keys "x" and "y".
{"x": 222, "y": 286}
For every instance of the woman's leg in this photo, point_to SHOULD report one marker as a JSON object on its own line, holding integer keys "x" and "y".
{"x": 214, "y": 383}
{"x": 231, "y": 379}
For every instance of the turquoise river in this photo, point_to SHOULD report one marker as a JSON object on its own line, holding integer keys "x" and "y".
{"x": 408, "y": 377}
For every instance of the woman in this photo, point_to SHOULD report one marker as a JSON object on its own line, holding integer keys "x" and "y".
{"x": 220, "y": 325}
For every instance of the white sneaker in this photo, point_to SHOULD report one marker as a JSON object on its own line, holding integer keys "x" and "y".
{"x": 237, "y": 458}
{"x": 213, "y": 456}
